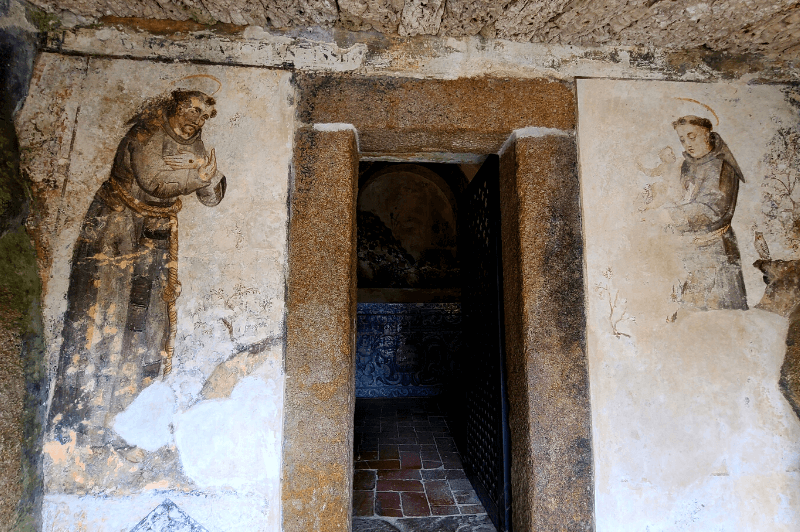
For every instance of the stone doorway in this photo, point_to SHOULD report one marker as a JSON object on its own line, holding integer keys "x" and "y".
{"x": 531, "y": 123}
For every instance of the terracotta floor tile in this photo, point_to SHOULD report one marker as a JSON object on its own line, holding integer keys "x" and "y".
{"x": 394, "y": 439}
{"x": 364, "y": 480}
{"x": 425, "y": 437}
{"x": 433, "y": 474}
{"x": 466, "y": 497}
{"x": 444, "y": 510}
{"x": 363, "y": 503}
{"x": 386, "y": 500}
{"x": 410, "y": 460}
{"x": 451, "y": 460}
{"x": 399, "y": 474}
{"x": 429, "y": 455}
{"x": 389, "y": 452}
{"x": 438, "y": 492}
{"x": 461, "y": 484}
{"x": 415, "y": 504}
{"x": 400, "y": 485}
{"x": 384, "y": 464}
{"x": 446, "y": 444}
{"x": 389, "y": 512}
{"x": 455, "y": 474}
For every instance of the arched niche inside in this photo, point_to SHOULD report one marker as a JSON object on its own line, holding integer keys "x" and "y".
{"x": 407, "y": 233}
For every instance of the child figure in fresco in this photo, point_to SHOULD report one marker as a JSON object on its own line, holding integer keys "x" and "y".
{"x": 663, "y": 192}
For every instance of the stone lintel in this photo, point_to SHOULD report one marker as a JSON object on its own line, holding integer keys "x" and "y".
{"x": 321, "y": 310}
{"x": 408, "y": 115}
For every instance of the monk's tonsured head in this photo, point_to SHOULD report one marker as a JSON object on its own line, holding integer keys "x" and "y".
{"x": 189, "y": 110}
{"x": 694, "y": 133}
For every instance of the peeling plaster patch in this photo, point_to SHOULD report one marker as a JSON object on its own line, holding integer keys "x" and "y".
{"x": 59, "y": 452}
{"x": 146, "y": 422}
{"x": 234, "y": 442}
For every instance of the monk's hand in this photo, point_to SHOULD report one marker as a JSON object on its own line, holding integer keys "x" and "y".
{"x": 184, "y": 160}
{"x": 209, "y": 169}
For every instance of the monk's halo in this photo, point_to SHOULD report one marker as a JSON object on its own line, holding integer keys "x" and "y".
{"x": 692, "y": 110}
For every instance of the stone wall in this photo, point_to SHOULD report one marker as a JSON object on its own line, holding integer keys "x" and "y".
{"x": 21, "y": 378}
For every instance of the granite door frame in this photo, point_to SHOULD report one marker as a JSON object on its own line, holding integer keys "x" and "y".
{"x": 347, "y": 117}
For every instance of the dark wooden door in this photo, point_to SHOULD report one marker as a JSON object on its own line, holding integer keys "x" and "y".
{"x": 484, "y": 438}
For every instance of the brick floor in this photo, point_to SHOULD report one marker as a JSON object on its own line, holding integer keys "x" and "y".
{"x": 407, "y": 463}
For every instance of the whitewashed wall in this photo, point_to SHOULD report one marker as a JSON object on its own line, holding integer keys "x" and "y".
{"x": 208, "y": 436}
{"x": 690, "y": 429}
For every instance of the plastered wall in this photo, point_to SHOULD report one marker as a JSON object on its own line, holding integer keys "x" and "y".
{"x": 690, "y": 429}
{"x": 205, "y": 436}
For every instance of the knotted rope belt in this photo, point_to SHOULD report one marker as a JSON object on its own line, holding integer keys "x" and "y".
{"x": 173, "y": 288}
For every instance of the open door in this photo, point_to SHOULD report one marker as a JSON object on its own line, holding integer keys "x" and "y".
{"x": 484, "y": 438}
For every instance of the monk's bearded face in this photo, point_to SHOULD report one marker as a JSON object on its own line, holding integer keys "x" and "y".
{"x": 190, "y": 117}
{"x": 696, "y": 140}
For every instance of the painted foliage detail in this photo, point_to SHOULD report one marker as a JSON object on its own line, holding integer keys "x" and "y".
{"x": 781, "y": 186}
{"x": 781, "y": 208}
{"x": 119, "y": 329}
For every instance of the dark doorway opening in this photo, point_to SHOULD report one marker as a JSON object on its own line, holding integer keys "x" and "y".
{"x": 428, "y": 450}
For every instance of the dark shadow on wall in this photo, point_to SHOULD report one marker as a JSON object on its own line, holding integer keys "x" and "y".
{"x": 407, "y": 226}
{"x": 22, "y": 377}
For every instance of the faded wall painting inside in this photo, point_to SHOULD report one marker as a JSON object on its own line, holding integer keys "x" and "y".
{"x": 165, "y": 359}
{"x": 689, "y": 194}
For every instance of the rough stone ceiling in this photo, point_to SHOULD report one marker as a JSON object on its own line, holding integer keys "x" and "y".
{"x": 767, "y": 27}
